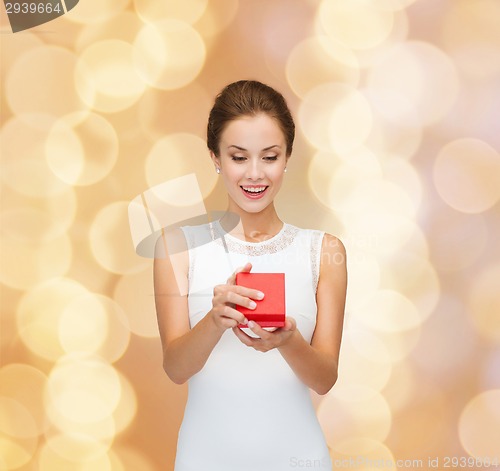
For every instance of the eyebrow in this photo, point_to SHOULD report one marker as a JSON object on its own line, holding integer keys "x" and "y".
{"x": 267, "y": 148}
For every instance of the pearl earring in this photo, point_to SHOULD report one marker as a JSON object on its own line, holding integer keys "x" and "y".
{"x": 284, "y": 170}
{"x": 218, "y": 170}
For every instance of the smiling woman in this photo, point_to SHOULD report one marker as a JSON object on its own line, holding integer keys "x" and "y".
{"x": 250, "y": 138}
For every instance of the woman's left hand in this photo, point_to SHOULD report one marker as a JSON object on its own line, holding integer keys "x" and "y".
{"x": 268, "y": 339}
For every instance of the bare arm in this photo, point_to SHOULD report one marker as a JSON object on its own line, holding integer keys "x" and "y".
{"x": 186, "y": 350}
{"x": 315, "y": 364}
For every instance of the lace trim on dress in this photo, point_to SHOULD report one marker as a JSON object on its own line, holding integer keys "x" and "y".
{"x": 275, "y": 244}
{"x": 316, "y": 242}
{"x": 191, "y": 253}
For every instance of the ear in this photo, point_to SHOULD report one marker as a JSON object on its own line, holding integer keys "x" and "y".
{"x": 215, "y": 159}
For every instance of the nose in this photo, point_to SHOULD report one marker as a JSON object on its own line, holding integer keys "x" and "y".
{"x": 254, "y": 170}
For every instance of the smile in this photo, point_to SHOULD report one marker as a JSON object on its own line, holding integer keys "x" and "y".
{"x": 254, "y": 192}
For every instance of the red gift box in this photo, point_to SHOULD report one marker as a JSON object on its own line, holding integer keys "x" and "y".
{"x": 270, "y": 311}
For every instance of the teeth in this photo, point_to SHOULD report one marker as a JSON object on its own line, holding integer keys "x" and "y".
{"x": 255, "y": 190}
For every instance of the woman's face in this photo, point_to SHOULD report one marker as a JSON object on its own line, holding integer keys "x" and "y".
{"x": 252, "y": 154}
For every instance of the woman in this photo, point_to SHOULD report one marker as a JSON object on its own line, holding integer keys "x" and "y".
{"x": 249, "y": 406}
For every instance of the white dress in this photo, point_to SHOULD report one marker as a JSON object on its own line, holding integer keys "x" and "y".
{"x": 247, "y": 410}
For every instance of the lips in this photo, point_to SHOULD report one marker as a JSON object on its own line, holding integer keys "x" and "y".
{"x": 254, "y": 196}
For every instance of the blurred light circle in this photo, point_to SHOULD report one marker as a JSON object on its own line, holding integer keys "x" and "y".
{"x": 388, "y": 227}
{"x": 357, "y": 25}
{"x": 106, "y": 80}
{"x": 365, "y": 362}
{"x": 388, "y": 311}
{"x": 392, "y": 105}
{"x": 474, "y": 49}
{"x": 351, "y": 122}
{"x": 25, "y": 384}
{"x": 81, "y": 150}
{"x": 18, "y": 434}
{"x": 83, "y": 388}
{"x": 364, "y": 271}
{"x": 490, "y": 377}
{"x": 24, "y": 168}
{"x": 350, "y": 194}
{"x": 134, "y": 293}
{"x": 414, "y": 277}
{"x": 83, "y": 324}
{"x": 118, "y": 334}
{"x": 401, "y": 387}
{"x": 367, "y": 58}
{"x": 126, "y": 409}
{"x": 466, "y": 175}
{"x": 375, "y": 455}
{"x": 124, "y": 26}
{"x": 448, "y": 230}
{"x": 29, "y": 220}
{"x": 421, "y": 73}
{"x": 397, "y": 130}
{"x": 96, "y": 11}
{"x": 168, "y": 54}
{"x": 394, "y": 4}
{"x": 216, "y": 19}
{"x": 77, "y": 447}
{"x": 316, "y": 60}
{"x": 157, "y": 116}
{"x": 176, "y": 155}
{"x": 25, "y": 264}
{"x": 446, "y": 344}
{"x": 38, "y": 82}
{"x": 335, "y": 117}
{"x": 39, "y": 313}
{"x": 484, "y": 303}
{"x": 14, "y": 46}
{"x": 187, "y": 10}
{"x": 110, "y": 241}
{"x": 88, "y": 454}
{"x": 361, "y": 414}
{"x": 103, "y": 430}
{"x": 15, "y": 420}
{"x": 322, "y": 167}
{"x": 403, "y": 174}
{"x": 479, "y": 425}
{"x": 133, "y": 459}
{"x": 14, "y": 451}
{"x": 399, "y": 344}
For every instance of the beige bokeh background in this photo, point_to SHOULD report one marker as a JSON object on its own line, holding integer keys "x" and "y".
{"x": 397, "y": 107}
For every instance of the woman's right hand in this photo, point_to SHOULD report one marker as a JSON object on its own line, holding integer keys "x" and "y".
{"x": 224, "y": 313}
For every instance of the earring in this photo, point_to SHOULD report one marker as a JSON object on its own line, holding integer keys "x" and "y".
{"x": 218, "y": 170}
{"x": 284, "y": 170}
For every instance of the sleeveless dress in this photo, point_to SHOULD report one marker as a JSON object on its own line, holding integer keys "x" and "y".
{"x": 247, "y": 410}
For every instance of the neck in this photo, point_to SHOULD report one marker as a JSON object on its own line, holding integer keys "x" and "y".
{"x": 265, "y": 223}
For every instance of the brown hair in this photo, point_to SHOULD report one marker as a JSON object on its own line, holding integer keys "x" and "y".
{"x": 248, "y": 98}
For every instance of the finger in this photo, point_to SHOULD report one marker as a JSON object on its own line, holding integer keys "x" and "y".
{"x": 231, "y": 313}
{"x": 290, "y": 324}
{"x": 235, "y": 299}
{"x": 245, "y": 268}
{"x": 244, "y": 338}
{"x": 249, "y": 293}
{"x": 257, "y": 329}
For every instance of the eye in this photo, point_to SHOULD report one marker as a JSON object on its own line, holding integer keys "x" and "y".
{"x": 272, "y": 157}
{"x": 238, "y": 158}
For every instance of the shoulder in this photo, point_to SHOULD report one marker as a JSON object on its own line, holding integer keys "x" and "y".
{"x": 333, "y": 255}
{"x": 170, "y": 241}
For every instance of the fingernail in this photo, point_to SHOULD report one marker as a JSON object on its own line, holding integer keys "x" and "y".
{"x": 260, "y": 295}
{"x": 245, "y": 321}
{"x": 251, "y": 324}
{"x": 253, "y": 304}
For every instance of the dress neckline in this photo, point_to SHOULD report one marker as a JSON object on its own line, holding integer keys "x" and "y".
{"x": 251, "y": 244}
{"x": 274, "y": 244}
